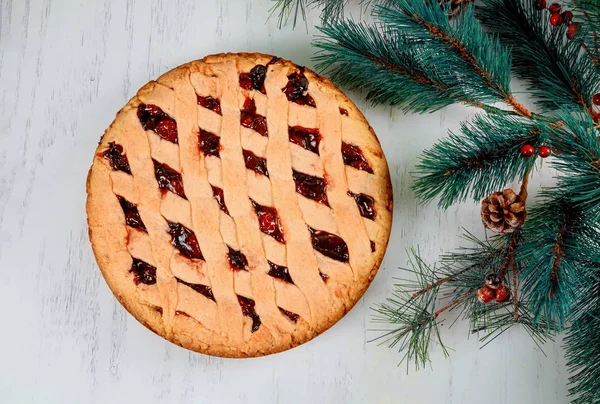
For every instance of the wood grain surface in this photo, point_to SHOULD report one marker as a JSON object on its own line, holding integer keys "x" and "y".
{"x": 66, "y": 67}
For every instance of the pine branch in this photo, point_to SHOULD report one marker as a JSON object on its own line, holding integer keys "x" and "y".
{"x": 412, "y": 313}
{"x": 468, "y": 58}
{"x": 556, "y": 70}
{"x": 588, "y": 23}
{"x": 351, "y": 52}
{"x": 583, "y": 347}
{"x": 421, "y": 62}
{"x": 411, "y": 320}
{"x": 559, "y": 245}
{"x": 482, "y": 159}
{"x": 578, "y": 159}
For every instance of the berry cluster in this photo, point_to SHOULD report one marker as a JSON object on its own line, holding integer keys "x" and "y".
{"x": 493, "y": 290}
{"x": 557, "y": 18}
{"x": 528, "y": 150}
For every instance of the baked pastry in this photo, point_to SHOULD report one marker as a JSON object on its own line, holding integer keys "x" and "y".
{"x": 239, "y": 205}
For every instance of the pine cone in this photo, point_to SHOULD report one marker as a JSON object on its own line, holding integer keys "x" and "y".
{"x": 503, "y": 212}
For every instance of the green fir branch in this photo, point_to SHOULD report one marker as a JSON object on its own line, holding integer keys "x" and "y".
{"x": 412, "y": 313}
{"x": 411, "y": 320}
{"x": 467, "y": 58}
{"x": 555, "y": 69}
{"x": 559, "y": 245}
{"x": 577, "y": 144}
{"x": 351, "y": 51}
{"x": 416, "y": 59}
{"x": 583, "y": 348}
{"x": 482, "y": 159}
{"x": 587, "y": 20}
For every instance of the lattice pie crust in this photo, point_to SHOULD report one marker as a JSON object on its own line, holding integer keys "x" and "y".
{"x": 240, "y": 205}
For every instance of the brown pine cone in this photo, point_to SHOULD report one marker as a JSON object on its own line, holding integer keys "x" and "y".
{"x": 503, "y": 212}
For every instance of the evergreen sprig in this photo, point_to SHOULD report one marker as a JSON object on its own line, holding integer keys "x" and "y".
{"x": 578, "y": 159}
{"x": 556, "y": 70}
{"x": 421, "y": 63}
{"x": 477, "y": 161}
{"x": 351, "y": 51}
{"x": 583, "y": 348}
{"x": 559, "y": 251}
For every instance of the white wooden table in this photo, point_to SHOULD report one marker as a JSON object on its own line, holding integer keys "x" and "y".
{"x": 66, "y": 67}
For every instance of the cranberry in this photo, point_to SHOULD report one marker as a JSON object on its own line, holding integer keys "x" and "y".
{"x": 366, "y": 205}
{"x": 220, "y": 197}
{"x": 248, "y": 310}
{"x": 268, "y": 219}
{"x": 527, "y": 150}
{"x": 541, "y": 4}
{"x": 204, "y": 290}
{"x": 372, "y": 246}
{"x": 485, "y": 294}
{"x": 255, "y": 79}
{"x": 567, "y": 17}
{"x": 556, "y": 19}
{"x": 296, "y": 90}
{"x": 572, "y": 31}
{"x": 343, "y": 111}
{"x": 596, "y": 99}
{"x": 329, "y": 245}
{"x": 544, "y": 151}
{"x": 210, "y": 144}
{"x": 310, "y": 187}
{"x": 502, "y": 294}
{"x": 153, "y": 118}
{"x": 117, "y": 160}
{"x": 210, "y": 103}
{"x": 554, "y": 8}
{"x": 323, "y": 276}
{"x": 143, "y": 272}
{"x": 292, "y": 316}
{"x": 250, "y": 119}
{"x": 306, "y": 138}
{"x": 167, "y": 129}
{"x": 255, "y": 163}
{"x": 168, "y": 179}
{"x": 237, "y": 260}
{"x": 132, "y": 216}
{"x": 354, "y": 157}
{"x": 277, "y": 271}
{"x": 185, "y": 241}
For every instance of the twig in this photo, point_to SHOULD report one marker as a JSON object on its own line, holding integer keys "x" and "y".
{"x": 515, "y": 299}
{"x": 453, "y": 303}
{"x": 524, "y": 184}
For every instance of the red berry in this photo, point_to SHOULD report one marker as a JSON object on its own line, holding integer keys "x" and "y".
{"x": 167, "y": 129}
{"x": 572, "y": 30}
{"x": 544, "y": 151}
{"x": 596, "y": 99}
{"x": 541, "y": 4}
{"x": 556, "y": 19}
{"x": 527, "y": 150}
{"x": 502, "y": 294}
{"x": 485, "y": 295}
{"x": 596, "y": 118}
{"x": 554, "y": 8}
{"x": 567, "y": 17}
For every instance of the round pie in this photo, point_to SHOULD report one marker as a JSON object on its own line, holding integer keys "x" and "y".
{"x": 240, "y": 205}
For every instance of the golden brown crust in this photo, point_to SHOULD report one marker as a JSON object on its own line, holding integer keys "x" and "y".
{"x": 110, "y": 236}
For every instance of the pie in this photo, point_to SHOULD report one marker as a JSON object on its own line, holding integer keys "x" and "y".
{"x": 240, "y": 205}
